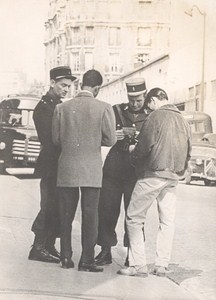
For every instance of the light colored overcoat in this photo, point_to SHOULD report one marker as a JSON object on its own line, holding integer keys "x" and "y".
{"x": 81, "y": 126}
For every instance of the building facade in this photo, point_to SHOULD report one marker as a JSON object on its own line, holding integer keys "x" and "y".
{"x": 154, "y": 72}
{"x": 192, "y": 55}
{"x": 113, "y": 36}
{"x": 171, "y": 43}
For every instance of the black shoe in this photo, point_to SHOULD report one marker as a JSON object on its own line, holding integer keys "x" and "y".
{"x": 52, "y": 250}
{"x": 126, "y": 262}
{"x": 89, "y": 267}
{"x": 67, "y": 263}
{"x": 42, "y": 255}
{"x": 103, "y": 258}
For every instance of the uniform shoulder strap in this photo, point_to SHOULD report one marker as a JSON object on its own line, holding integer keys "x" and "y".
{"x": 118, "y": 111}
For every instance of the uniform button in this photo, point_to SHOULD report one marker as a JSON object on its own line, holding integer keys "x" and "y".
{"x": 77, "y": 145}
{"x": 74, "y": 111}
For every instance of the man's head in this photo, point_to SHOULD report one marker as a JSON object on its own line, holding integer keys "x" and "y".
{"x": 92, "y": 81}
{"x": 61, "y": 80}
{"x": 136, "y": 90}
{"x": 155, "y": 98}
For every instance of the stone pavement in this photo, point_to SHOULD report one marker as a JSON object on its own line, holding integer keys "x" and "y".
{"x": 26, "y": 280}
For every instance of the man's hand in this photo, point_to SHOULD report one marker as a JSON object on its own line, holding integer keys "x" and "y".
{"x": 131, "y": 148}
{"x": 120, "y": 135}
{"x": 137, "y": 133}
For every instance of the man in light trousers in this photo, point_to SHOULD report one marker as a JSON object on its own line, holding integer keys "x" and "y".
{"x": 160, "y": 157}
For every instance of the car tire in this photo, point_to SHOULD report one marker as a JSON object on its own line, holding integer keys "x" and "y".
{"x": 188, "y": 179}
{"x": 2, "y": 169}
{"x": 207, "y": 182}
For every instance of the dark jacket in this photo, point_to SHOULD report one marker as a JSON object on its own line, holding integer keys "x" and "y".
{"x": 46, "y": 165}
{"x": 117, "y": 164}
{"x": 164, "y": 144}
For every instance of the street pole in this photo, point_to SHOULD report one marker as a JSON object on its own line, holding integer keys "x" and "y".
{"x": 203, "y": 65}
{"x": 202, "y": 85}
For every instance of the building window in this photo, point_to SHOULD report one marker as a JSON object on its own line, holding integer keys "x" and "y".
{"x": 114, "y": 63}
{"x": 89, "y": 35}
{"x": 88, "y": 60}
{"x": 191, "y": 93}
{"x": 194, "y": 97}
{"x": 75, "y": 61}
{"x": 114, "y": 36}
{"x": 75, "y": 36}
{"x": 213, "y": 88}
{"x": 197, "y": 97}
{"x": 68, "y": 36}
{"x": 58, "y": 44}
{"x": 181, "y": 106}
{"x": 142, "y": 58}
{"x": 144, "y": 36}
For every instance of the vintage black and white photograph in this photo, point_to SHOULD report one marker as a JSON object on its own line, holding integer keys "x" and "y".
{"x": 107, "y": 149}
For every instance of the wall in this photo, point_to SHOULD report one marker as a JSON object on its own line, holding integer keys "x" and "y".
{"x": 154, "y": 72}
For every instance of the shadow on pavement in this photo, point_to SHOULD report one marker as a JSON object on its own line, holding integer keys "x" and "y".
{"x": 178, "y": 274}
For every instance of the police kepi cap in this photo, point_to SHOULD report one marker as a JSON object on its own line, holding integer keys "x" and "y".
{"x": 61, "y": 72}
{"x": 136, "y": 86}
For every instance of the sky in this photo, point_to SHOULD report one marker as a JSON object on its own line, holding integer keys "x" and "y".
{"x": 22, "y": 36}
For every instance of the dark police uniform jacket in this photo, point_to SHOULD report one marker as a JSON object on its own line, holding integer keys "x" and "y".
{"x": 46, "y": 165}
{"x": 117, "y": 164}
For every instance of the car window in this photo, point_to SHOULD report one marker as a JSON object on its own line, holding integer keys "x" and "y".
{"x": 28, "y": 104}
{"x": 17, "y": 112}
{"x": 10, "y": 116}
{"x": 16, "y": 117}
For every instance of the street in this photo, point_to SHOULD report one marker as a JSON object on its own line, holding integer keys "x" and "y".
{"x": 193, "y": 263}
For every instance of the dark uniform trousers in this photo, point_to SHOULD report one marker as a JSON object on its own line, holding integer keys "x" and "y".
{"x": 46, "y": 226}
{"x": 68, "y": 200}
{"x": 109, "y": 208}
{"x": 118, "y": 182}
{"x": 47, "y": 223}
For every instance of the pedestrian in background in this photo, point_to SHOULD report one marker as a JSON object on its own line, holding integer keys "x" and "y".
{"x": 80, "y": 127}
{"x": 118, "y": 175}
{"x": 46, "y": 225}
{"x": 160, "y": 157}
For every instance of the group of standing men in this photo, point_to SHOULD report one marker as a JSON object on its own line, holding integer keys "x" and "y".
{"x": 149, "y": 154}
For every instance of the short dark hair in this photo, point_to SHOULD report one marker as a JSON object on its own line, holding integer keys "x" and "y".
{"x": 92, "y": 78}
{"x": 155, "y": 92}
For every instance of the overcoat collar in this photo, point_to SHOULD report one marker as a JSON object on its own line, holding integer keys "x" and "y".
{"x": 85, "y": 94}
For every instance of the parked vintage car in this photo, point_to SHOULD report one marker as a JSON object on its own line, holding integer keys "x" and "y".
{"x": 19, "y": 145}
{"x": 202, "y": 165}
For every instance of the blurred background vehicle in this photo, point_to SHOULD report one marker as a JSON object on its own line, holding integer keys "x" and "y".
{"x": 19, "y": 145}
{"x": 202, "y": 165}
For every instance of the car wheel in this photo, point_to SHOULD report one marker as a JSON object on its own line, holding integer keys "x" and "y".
{"x": 207, "y": 182}
{"x": 2, "y": 168}
{"x": 188, "y": 179}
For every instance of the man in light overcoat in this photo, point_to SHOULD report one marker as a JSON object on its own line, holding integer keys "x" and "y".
{"x": 81, "y": 126}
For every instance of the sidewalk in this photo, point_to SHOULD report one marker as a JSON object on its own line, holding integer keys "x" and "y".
{"x": 26, "y": 280}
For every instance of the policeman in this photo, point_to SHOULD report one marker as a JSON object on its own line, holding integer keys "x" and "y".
{"x": 46, "y": 224}
{"x": 118, "y": 174}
